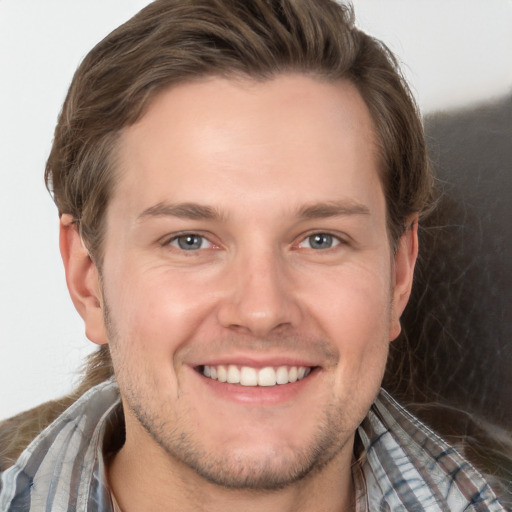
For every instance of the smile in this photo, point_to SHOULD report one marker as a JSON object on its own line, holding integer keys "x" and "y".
{"x": 248, "y": 376}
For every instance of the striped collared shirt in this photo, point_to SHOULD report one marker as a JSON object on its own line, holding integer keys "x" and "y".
{"x": 404, "y": 466}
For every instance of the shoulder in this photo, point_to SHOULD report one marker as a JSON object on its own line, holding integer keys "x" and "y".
{"x": 405, "y": 462}
{"x": 16, "y": 433}
{"x": 53, "y": 448}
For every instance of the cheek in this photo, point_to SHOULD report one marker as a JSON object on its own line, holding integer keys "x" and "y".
{"x": 154, "y": 313}
{"x": 151, "y": 320}
{"x": 353, "y": 301}
{"x": 354, "y": 313}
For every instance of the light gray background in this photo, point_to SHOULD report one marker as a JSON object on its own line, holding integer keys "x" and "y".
{"x": 455, "y": 52}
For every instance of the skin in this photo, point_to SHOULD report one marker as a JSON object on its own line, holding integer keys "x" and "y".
{"x": 267, "y": 165}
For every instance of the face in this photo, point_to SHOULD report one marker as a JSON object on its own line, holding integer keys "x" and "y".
{"x": 248, "y": 281}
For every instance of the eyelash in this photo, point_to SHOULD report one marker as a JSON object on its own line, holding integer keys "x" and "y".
{"x": 335, "y": 239}
{"x": 177, "y": 237}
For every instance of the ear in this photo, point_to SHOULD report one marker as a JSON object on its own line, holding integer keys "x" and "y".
{"x": 83, "y": 280}
{"x": 403, "y": 271}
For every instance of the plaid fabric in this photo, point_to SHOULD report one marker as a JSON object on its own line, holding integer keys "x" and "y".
{"x": 404, "y": 465}
{"x": 407, "y": 467}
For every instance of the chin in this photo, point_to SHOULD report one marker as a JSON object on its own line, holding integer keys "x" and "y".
{"x": 265, "y": 470}
{"x": 249, "y": 460}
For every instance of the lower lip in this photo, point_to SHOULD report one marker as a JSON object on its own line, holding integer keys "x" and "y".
{"x": 259, "y": 395}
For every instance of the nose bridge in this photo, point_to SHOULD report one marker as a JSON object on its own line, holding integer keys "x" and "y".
{"x": 260, "y": 296}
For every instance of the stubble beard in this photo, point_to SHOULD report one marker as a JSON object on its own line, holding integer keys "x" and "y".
{"x": 270, "y": 473}
{"x": 242, "y": 472}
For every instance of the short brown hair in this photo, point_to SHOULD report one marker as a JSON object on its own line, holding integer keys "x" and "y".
{"x": 172, "y": 41}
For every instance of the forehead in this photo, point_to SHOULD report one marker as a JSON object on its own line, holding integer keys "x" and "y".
{"x": 292, "y": 139}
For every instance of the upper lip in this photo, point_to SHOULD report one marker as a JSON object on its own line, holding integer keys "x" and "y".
{"x": 254, "y": 361}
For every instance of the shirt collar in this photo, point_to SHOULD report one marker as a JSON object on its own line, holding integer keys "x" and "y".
{"x": 64, "y": 468}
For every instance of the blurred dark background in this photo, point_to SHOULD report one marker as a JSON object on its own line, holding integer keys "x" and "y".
{"x": 457, "y": 342}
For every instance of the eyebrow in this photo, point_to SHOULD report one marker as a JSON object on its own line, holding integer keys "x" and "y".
{"x": 332, "y": 209}
{"x": 193, "y": 211}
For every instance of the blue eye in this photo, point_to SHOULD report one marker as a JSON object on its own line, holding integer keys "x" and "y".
{"x": 190, "y": 242}
{"x": 320, "y": 241}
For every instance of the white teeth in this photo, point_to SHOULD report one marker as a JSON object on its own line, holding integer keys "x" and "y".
{"x": 282, "y": 375}
{"x": 222, "y": 373}
{"x": 248, "y": 376}
{"x": 233, "y": 374}
{"x": 267, "y": 377}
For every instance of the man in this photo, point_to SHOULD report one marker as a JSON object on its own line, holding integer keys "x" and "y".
{"x": 239, "y": 186}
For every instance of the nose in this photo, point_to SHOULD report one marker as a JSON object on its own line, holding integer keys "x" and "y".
{"x": 260, "y": 296}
